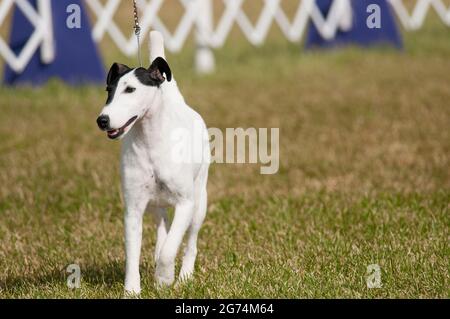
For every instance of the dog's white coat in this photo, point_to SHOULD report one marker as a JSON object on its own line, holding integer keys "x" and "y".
{"x": 153, "y": 180}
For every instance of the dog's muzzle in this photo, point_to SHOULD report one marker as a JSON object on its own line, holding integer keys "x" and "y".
{"x": 116, "y": 133}
{"x": 103, "y": 122}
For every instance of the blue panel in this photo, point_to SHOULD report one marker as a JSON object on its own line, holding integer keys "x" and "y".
{"x": 77, "y": 60}
{"x": 359, "y": 34}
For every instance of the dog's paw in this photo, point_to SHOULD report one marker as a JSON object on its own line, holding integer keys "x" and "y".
{"x": 186, "y": 274}
{"x": 128, "y": 294}
{"x": 132, "y": 287}
{"x": 164, "y": 280}
{"x": 164, "y": 275}
{"x": 162, "y": 283}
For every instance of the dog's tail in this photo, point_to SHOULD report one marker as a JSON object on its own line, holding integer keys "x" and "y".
{"x": 156, "y": 45}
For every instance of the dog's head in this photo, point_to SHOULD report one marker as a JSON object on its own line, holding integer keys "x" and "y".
{"x": 130, "y": 95}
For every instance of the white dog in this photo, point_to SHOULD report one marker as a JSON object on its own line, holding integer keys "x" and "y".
{"x": 145, "y": 109}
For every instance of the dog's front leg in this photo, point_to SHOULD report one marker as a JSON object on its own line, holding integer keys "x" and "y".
{"x": 133, "y": 238}
{"x": 165, "y": 265}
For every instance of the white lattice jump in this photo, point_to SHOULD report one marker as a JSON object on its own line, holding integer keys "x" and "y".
{"x": 339, "y": 17}
{"x": 197, "y": 11}
{"x": 415, "y": 20}
{"x": 42, "y": 37}
{"x": 198, "y": 17}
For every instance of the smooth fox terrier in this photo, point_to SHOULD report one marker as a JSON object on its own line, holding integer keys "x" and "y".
{"x": 144, "y": 108}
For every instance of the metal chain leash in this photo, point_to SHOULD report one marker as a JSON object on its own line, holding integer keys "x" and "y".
{"x": 137, "y": 31}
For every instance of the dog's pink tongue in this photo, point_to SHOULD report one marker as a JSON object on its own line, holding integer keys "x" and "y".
{"x": 112, "y": 132}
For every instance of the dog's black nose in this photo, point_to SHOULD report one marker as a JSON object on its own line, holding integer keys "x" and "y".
{"x": 103, "y": 122}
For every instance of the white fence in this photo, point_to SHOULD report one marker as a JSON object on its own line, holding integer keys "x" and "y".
{"x": 42, "y": 36}
{"x": 198, "y": 17}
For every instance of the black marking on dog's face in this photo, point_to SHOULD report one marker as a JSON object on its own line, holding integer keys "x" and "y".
{"x": 116, "y": 71}
{"x": 145, "y": 77}
{"x": 153, "y": 76}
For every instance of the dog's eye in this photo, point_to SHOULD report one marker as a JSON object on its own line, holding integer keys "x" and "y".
{"x": 129, "y": 89}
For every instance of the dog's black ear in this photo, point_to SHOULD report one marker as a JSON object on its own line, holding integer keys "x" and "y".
{"x": 158, "y": 68}
{"x": 116, "y": 71}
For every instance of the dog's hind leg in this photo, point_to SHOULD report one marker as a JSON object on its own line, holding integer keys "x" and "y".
{"x": 162, "y": 227}
{"x": 190, "y": 253}
{"x": 165, "y": 265}
{"x": 201, "y": 201}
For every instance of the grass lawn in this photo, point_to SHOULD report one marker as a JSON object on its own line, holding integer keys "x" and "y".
{"x": 364, "y": 178}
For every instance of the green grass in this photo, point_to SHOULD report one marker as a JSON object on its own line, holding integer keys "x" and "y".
{"x": 314, "y": 246}
{"x": 364, "y": 178}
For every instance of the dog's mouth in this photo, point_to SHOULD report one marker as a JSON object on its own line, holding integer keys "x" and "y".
{"x": 113, "y": 134}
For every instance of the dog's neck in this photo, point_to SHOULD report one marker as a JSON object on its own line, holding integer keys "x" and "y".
{"x": 154, "y": 126}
